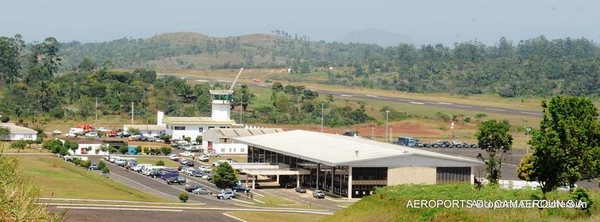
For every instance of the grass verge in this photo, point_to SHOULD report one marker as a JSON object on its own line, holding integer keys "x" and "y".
{"x": 262, "y": 216}
{"x": 62, "y": 179}
{"x": 392, "y": 204}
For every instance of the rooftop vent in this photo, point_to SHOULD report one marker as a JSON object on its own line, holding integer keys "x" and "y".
{"x": 356, "y": 152}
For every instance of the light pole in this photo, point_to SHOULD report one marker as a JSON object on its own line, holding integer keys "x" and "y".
{"x": 387, "y": 114}
{"x": 528, "y": 137}
{"x": 241, "y": 106}
{"x": 322, "y": 107}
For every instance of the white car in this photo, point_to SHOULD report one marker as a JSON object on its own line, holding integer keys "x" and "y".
{"x": 186, "y": 154}
{"x": 71, "y": 135}
{"x": 56, "y": 132}
{"x": 91, "y": 134}
{"x": 205, "y": 169}
{"x": 174, "y": 157}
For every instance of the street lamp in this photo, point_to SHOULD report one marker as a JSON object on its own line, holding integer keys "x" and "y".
{"x": 528, "y": 136}
{"x": 322, "y": 107}
{"x": 387, "y": 114}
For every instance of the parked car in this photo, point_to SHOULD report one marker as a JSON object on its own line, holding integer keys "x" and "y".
{"x": 56, "y": 132}
{"x": 190, "y": 188}
{"x": 187, "y": 154}
{"x": 94, "y": 166}
{"x": 290, "y": 185}
{"x": 91, "y": 134}
{"x": 205, "y": 169}
{"x": 186, "y": 162}
{"x": 178, "y": 180}
{"x": 201, "y": 190}
{"x": 318, "y": 194}
{"x": 300, "y": 189}
{"x": 71, "y": 135}
{"x": 226, "y": 195}
{"x": 207, "y": 177}
{"x": 197, "y": 173}
{"x": 241, "y": 189}
{"x": 203, "y": 158}
{"x": 174, "y": 157}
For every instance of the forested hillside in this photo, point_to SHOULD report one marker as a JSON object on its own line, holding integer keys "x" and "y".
{"x": 536, "y": 67}
{"x": 33, "y": 92}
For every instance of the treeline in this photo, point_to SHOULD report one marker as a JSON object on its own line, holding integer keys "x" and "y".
{"x": 535, "y": 67}
{"x": 32, "y": 91}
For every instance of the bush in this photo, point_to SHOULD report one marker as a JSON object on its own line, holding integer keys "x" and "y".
{"x": 138, "y": 149}
{"x": 123, "y": 149}
{"x": 86, "y": 164}
{"x": 4, "y": 119}
{"x": 581, "y": 194}
{"x": 101, "y": 165}
{"x": 77, "y": 161}
{"x": 467, "y": 119}
{"x": 166, "y": 138}
{"x": 160, "y": 163}
{"x": 166, "y": 150}
{"x": 63, "y": 151}
{"x": 105, "y": 170}
{"x": 183, "y": 197}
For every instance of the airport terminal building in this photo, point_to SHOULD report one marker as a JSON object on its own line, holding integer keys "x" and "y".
{"x": 349, "y": 166}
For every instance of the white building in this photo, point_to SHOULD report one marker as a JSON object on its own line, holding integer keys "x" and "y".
{"x": 181, "y": 127}
{"x": 18, "y": 132}
{"x": 87, "y": 147}
{"x": 220, "y": 140}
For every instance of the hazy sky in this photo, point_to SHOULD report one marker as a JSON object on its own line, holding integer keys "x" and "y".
{"x": 424, "y": 21}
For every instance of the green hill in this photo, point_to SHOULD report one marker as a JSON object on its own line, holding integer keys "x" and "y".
{"x": 392, "y": 204}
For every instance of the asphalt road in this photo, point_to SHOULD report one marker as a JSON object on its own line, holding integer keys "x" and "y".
{"x": 126, "y": 214}
{"x": 441, "y": 104}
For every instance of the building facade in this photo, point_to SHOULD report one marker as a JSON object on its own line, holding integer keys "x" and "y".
{"x": 18, "y": 132}
{"x": 353, "y": 167}
{"x": 221, "y": 140}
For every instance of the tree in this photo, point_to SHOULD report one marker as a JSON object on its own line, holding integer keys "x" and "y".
{"x": 101, "y": 165}
{"x": 493, "y": 137}
{"x": 183, "y": 197}
{"x": 566, "y": 147}
{"x": 199, "y": 139}
{"x": 123, "y": 149}
{"x": 10, "y": 59}
{"x": 187, "y": 139}
{"x": 525, "y": 168}
{"x": 105, "y": 170}
{"x": 86, "y": 164}
{"x": 166, "y": 150}
{"x": 4, "y": 119}
{"x": 4, "y": 133}
{"x": 19, "y": 144}
{"x": 224, "y": 176}
{"x": 71, "y": 145}
{"x": 160, "y": 163}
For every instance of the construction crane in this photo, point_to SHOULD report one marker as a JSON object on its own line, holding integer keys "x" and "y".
{"x": 236, "y": 78}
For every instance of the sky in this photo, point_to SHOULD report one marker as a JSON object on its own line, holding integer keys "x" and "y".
{"x": 423, "y": 21}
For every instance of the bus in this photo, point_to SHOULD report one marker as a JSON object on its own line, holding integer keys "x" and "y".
{"x": 407, "y": 141}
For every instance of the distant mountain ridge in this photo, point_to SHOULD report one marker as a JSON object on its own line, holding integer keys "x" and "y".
{"x": 377, "y": 36}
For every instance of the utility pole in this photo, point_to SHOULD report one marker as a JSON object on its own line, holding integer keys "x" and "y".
{"x": 322, "y": 107}
{"x": 131, "y": 113}
{"x": 241, "y": 106}
{"x": 528, "y": 138}
{"x": 96, "y": 109}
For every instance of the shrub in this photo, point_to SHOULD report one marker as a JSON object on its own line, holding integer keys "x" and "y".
{"x": 123, "y": 149}
{"x": 581, "y": 194}
{"x": 160, "y": 163}
{"x": 166, "y": 150}
{"x": 183, "y": 197}
{"x": 105, "y": 170}
{"x": 77, "y": 161}
{"x": 4, "y": 119}
{"x": 138, "y": 149}
{"x": 467, "y": 119}
{"x": 86, "y": 164}
{"x": 101, "y": 165}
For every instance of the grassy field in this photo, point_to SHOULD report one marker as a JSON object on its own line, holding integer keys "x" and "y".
{"x": 270, "y": 216}
{"x": 392, "y": 204}
{"x": 153, "y": 159}
{"x": 62, "y": 179}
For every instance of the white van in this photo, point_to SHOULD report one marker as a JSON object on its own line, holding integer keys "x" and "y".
{"x": 149, "y": 170}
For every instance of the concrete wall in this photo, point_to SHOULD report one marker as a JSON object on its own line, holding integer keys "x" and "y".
{"x": 191, "y": 130}
{"x": 411, "y": 175}
{"x": 23, "y": 136}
